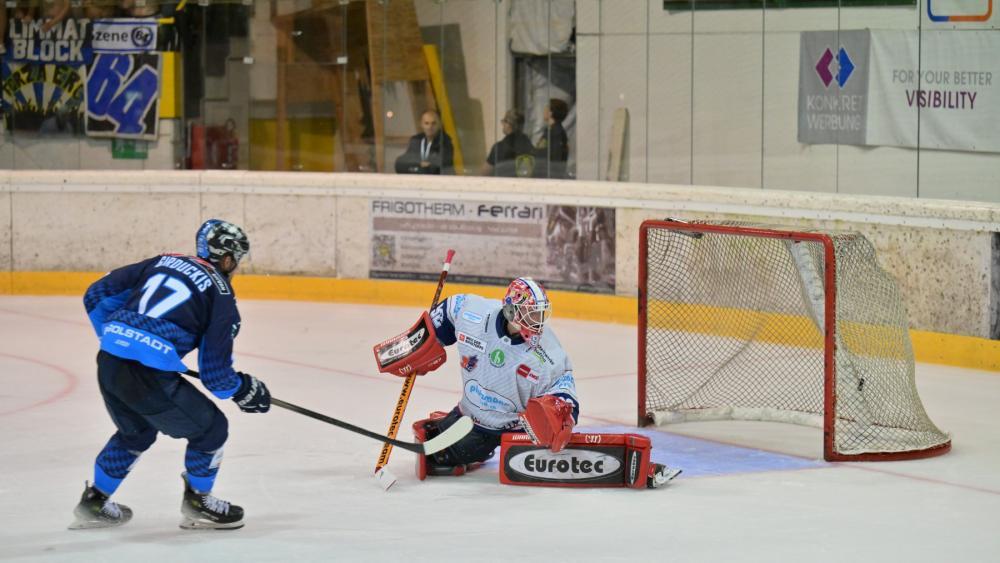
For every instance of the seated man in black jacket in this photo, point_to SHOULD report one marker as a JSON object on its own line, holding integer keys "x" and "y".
{"x": 429, "y": 152}
{"x": 512, "y": 155}
{"x": 552, "y": 150}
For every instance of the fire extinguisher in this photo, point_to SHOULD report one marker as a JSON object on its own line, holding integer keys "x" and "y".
{"x": 213, "y": 146}
{"x": 223, "y": 146}
{"x": 196, "y": 146}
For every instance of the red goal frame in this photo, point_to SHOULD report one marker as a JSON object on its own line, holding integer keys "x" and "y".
{"x": 829, "y": 331}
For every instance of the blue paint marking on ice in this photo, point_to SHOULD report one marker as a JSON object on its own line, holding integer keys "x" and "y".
{"x": 704, "y": 458}
{"x": 700, "y": 458}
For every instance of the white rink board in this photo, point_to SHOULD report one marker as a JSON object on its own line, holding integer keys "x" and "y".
{"x": 319, "y": 224}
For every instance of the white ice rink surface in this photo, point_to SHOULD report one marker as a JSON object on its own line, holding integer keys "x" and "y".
{"x": 309, "y": 495}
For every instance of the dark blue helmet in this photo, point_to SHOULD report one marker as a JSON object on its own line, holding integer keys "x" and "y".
{"x": 217, "y": 238}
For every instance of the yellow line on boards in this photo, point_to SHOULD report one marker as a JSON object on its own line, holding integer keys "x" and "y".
{"x": 953, "y": 350}
{"x": 930, "y": 347}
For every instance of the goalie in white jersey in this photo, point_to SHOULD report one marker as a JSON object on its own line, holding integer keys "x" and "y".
{"x": 516, "y": 376}
{"x": 507, "y": 355}
{"x": 518, "y": 388}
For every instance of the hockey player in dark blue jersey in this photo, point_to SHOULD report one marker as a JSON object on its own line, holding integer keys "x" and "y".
{"x": 149, "y": 315}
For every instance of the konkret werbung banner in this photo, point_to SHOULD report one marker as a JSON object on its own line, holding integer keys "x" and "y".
{"x": 945, "y": 81}
{"x": 935, "y": 89}
{"x": 563, "y": 246}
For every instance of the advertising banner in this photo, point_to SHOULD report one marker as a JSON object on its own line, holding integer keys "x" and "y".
{"x": 936, "y": 89}
{"x": 939, "y": 88}
{"x": 833, "y": 87}
{"x": 123, "y": 95}
{"x": 969, "y": 14}
{"x": 124, "y": 35}
{"x": 563, "y": 246}
{"x": 43, "y": 76}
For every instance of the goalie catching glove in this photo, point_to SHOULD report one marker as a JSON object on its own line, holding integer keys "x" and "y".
{"x": 548, "y": 420}
{"x": 414, "y": 352}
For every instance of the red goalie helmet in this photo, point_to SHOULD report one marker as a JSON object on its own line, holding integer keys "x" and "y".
{"x": 527, "y": 305}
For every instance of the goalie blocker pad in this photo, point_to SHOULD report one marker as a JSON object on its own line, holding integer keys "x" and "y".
{"x": 416, "y": 351}
{"x": 589, "y": 460}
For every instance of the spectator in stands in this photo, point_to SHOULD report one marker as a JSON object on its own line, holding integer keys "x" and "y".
{"x": 54, "y": 12}
{"x": 552, "y": 150}
{"x": 511, "y": 156}
{"x": 96, "y": 11}
{"x": 136, "y": 9}
{"x": 429, "y": 152}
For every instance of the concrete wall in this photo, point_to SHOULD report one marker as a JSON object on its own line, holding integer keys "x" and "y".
{"x": 30, "y": 151}
{"x": 319, "y": 224}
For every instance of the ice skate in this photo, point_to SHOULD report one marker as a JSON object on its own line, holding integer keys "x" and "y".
{"x": 202, "y": 511}
{"x": 96, "y": 510}
{"x": 660, "y": 475}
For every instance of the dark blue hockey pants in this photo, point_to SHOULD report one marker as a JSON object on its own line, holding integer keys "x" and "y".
{"x": 143, "y": 401}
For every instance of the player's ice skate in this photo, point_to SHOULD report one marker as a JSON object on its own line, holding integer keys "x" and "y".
{"x": 96, "y": 510}
{"x": 660, "y": 475}
{"x": 202, "y": 511}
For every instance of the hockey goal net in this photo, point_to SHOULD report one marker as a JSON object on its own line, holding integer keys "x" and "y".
{"x": 742, "y": 321}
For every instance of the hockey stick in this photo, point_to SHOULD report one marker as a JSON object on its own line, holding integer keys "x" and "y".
{"x": 386, "y": 479}
{"x": 453, "y": 434}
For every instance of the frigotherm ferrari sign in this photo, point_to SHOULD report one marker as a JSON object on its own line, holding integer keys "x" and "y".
{"x": 594, "y": 466}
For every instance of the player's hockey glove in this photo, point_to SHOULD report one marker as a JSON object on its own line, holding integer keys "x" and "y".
{"x": 252, "y": 396}
{"x": 548, "y": 420}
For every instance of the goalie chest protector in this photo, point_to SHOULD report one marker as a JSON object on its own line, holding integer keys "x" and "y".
{"x": 589, "y": 460}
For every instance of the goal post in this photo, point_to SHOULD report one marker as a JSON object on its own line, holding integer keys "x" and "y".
{"x": 753, "y": 322}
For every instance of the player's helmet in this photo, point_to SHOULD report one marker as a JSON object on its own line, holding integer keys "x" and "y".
{"x": 217, "y": 238}
{"x": 527, "y": 305}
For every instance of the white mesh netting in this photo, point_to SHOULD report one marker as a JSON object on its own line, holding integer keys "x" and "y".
{"x": 734, "y": 329}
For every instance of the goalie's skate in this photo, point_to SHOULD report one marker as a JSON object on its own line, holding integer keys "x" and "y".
{"x": 95, "y": 510}
{"x": 202, "y": 511}
{"x": 660, "y": 475}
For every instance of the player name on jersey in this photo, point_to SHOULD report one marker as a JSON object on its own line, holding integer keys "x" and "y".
{"x": 201, "y": 277}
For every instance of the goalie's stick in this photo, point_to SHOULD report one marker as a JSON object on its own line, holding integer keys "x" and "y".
{"x": 387, "y": 480}
{"x": 462, "y": 427}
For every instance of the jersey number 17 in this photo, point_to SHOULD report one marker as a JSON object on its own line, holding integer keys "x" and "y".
{"x": 179, "y": 293}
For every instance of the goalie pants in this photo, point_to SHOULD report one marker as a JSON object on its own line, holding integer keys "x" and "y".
{"x": 143, "y": 401}
{"x": 476, "y": 446}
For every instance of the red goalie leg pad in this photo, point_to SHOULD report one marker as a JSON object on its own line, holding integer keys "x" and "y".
{"x": 424, "y": 430}
{"x": 589, "y": 460}
{"x": 638, "y": 453}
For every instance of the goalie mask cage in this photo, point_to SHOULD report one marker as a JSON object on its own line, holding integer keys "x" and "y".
{"x": 749, "y": 322}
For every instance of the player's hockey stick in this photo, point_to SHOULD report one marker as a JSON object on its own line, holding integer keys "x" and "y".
{"x": 453, "y": 434}
{"x": 404, "y": 394}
